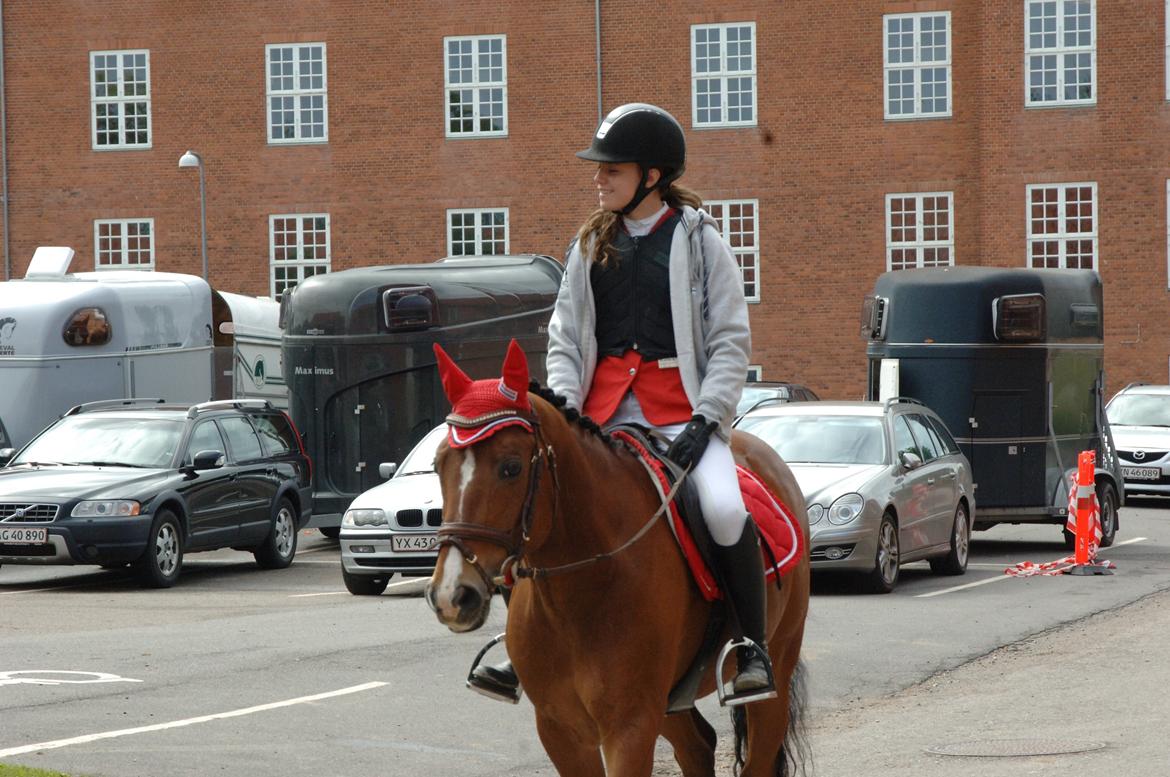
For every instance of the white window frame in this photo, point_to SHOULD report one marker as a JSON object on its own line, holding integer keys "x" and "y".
{"x": 121, "y": 101}
{"x": 722, "y": 74}
{"x": 1166, "y": 24}
{"x": 744, "y": 254}
{"x": 298, "y": 93}
{"x": 755, "y": 373}
{"x": 124, "y": 251}
{"x": 1059, "y": 51}
{"x": 919, "y": 244}
{"x": 479, "y": 226}
{"x": 300, "y": 263}
{"x": 917, "y": 66}
{"x": 1061, "y": 235}
{"x": 477, "y": 85}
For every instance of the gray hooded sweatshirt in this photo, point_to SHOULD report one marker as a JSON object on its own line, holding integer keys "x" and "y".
{"x": 711, "y": 330}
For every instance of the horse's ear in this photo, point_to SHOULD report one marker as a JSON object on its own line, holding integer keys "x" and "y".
{"x": 455, "y": 380}
{"x": 515, "y": 374}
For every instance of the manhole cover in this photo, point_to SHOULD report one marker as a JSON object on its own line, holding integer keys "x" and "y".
{"x": 1004, "y": 748}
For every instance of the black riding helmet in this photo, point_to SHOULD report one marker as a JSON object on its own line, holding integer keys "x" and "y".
{"x": 642, "y": 133}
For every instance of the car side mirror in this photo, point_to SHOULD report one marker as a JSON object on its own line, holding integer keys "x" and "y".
{"x": 207, "y": 460}
{"x": 387, "y": 469}
{"x": 6, "y": 455}
{"x": 909, "y": 460}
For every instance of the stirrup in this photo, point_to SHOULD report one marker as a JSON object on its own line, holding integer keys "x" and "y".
{"x": 730, "y": 698}
{"x": 484, "y": 685}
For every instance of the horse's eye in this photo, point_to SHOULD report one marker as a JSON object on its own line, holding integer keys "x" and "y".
{"x": 509, "y": 468}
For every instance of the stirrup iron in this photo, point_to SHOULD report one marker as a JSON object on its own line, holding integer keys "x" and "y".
{"x": 728, "y": 698}
{"x": 486, "y": 687}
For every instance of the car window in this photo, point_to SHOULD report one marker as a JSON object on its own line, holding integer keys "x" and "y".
{"x": 922, "y": 434}
{"x": 241, "y": 438}
{"x": 204, "y": 437}
{"x": 106, "y": 440}
{"x": 421, "y": 458}
{"x": 944, "y": 435}
{"x": 1139, "y": 410}
{"x": 275, "y": 433}
{"x": 903, "y": 440}
{"x": 821, "y": 439}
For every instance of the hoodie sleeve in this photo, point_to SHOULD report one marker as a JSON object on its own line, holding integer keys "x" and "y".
{"x": 564, "y": 360}
{"x": 727, "y": 337}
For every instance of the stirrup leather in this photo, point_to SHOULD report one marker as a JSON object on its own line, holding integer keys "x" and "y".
{"x": 484, "y": 685}
{"x": 728, "y": 698}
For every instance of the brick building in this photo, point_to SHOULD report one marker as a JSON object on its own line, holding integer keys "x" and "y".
{"x": 835, "y": 139}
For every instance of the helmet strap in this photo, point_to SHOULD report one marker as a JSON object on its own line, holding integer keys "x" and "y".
{"x": 641, "y": 194}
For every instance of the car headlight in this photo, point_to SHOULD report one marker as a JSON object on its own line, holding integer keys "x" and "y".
{"x": 815, "y": 512}
{"x": 106, "y": 508}
{"x": 365, "y": 517}
{"x": 844, "y": 509}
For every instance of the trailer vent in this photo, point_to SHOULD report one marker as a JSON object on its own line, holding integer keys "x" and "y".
{"x": 1019, "y": 317}
{"x": 409, "y": 308}
{"x": 873, "y": 317}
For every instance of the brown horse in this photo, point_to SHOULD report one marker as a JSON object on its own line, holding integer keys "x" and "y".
{"x": 598, "y": 643}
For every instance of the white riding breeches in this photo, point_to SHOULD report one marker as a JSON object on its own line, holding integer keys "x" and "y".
{"x": 714, "y": 476}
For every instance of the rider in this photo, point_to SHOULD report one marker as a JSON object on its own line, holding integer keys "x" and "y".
{"x": 650, "y": 327}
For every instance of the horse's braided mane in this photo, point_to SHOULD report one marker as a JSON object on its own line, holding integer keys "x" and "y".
{"x": 572, "y": 416}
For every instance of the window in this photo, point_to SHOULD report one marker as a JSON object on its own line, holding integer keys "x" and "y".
{"x": 275, "y": 433}
{"x": 1060, "y": 52}
{"x": 927, "y": 441}
{"x": 298, "y": 248}
{"x": 1062, "y": 225}
{"x": 241, "y": 437}
{"x": 919, "y": 231}
{"x": 88, "y": 326}
{"x": 120, "y": 244}
{"x": 477, "y": 232}
{"x": 723, "y": 75}
{"x": 120, "y": 99}
{"x": 947, "y": 443}
{"x": 755, "y": 373}
{"x": 741, "y": 229}
{"x": 476, "y": 86}
{"x": 298, "y": 103}
{"x": 918, "y": 65}
{"x": 903, "y": 439}
{"x": 204, "y": 437}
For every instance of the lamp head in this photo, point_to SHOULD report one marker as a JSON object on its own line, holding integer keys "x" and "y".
{"x": 190, "y": 159}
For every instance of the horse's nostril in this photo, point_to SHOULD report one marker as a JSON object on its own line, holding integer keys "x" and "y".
{"x": 466, "y": 598}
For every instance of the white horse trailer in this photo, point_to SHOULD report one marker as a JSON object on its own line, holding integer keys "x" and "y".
{"x": 72, "y": 338}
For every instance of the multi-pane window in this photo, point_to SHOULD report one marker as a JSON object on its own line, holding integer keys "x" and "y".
{"x": 123, "y": 244}
{"x": 298, "y": 101}
{"x": 1062, "y": 225}
{"x": 919, "y": 230}
{"x": 120, "y": 99}
{"x": 740, "y": 227}
{"x": 918, "y": 65}
{"x": 478, "y": 232}
{"x": 298, "y": 248}
{"x": 1060, "y": 52}
{"x": 755, "y": 373}
{"x": 723, "y": 75}
{"x": 476, "y": 86}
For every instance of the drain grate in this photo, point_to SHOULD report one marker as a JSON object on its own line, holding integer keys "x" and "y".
{"x": 1007, "y": 748}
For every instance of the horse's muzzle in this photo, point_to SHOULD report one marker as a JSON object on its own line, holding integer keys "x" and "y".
{"x": 462, "y": 608}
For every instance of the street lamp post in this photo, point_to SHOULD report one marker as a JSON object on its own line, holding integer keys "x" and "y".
{"x": 191, "y": 159}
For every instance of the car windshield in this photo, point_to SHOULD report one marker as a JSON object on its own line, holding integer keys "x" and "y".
{"x": 753, "y": 394}
{"x": 1139, "y": 410}
{"x": 114, "y": 441}
{"x": 421, "y": 458}
{"x": 820, "y": 439}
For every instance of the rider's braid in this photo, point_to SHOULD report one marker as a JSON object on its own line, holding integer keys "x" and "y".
{"x": 571, "y": 415}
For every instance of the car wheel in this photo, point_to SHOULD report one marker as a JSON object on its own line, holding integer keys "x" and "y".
{"x": 884, "y": 576}
{"x": 1107, "y": 503}
{"x": 955, "y": 561}
{"x": 279, "y": 547}
{"x": 360, "y": 585}
{"x": 332, "y": 532}
{"x": 160, "y": 565}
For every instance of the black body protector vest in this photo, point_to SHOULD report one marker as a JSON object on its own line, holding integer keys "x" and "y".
{"x": 632, "y": 294}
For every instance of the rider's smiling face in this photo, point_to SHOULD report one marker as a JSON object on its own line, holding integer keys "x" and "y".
{"x": 617, "y": 183}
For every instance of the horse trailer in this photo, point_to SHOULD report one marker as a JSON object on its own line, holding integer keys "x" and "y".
{"x": 1013, "y": 362}
{"x": 363, "y": 383}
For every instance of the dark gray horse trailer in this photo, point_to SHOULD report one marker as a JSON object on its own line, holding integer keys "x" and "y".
{"x": 358, "y": 358}
{"x": 1013, "y": 362}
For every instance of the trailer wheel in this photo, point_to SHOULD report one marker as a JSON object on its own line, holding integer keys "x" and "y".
{"x": 1107, "y": 501}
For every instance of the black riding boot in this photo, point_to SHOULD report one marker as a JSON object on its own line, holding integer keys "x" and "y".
{"x": 741, "y": 570}
{"x": 499, "y": 681}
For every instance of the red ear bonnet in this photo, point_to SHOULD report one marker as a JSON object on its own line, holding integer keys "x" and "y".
{"x": 481, "y": 408}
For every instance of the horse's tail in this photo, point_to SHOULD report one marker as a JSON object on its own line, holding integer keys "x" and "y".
{"x": 794, "y": 756}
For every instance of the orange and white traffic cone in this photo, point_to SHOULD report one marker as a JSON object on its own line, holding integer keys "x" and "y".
{"x": 1084, "y": 554}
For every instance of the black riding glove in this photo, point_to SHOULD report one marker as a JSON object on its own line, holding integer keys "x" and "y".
{"x": 688, "y": 447}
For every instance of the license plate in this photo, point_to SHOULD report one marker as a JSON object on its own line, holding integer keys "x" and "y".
{"x": 413, "y": 542}
{"x": 23, "y": 536}
{"x": 1141, "y": 473}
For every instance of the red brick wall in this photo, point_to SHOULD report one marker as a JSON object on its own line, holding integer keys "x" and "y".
{"x": 820, "y": 161}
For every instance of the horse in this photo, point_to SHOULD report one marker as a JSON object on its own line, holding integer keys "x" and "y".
{"x": 539, "y": 497}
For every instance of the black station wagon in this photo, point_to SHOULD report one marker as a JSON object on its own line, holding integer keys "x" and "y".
{"x": 141, "y": 482}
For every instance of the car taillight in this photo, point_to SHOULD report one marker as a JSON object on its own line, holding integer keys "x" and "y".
{"x": 300, "y": 442}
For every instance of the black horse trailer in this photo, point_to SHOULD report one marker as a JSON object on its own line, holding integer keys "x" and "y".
{"x": 1013, "y": 362}
{"x": 358, "y": 358}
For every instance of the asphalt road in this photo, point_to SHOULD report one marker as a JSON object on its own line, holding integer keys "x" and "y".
{"x": 244, "y": 671}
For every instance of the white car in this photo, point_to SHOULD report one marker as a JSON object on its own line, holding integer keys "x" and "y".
{"x": 1139, "y": 416}
{"x": 391, "y": 527}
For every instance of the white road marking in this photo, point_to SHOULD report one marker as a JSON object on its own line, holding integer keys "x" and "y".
{"x": 325, "y": 593}
{"x": 86, "y": 738}
{"x": 417, "y": 582}
{"x": 38, "y": 677}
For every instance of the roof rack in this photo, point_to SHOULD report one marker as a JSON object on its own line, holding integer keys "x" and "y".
{"x": 905, "y": 400}
{"x": 230, "y": 404}
{"x": 1135, "y": 383}
{"x": 105, "y": 404}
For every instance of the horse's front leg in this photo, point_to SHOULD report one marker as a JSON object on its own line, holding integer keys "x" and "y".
{"x": 572, "y": 751}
